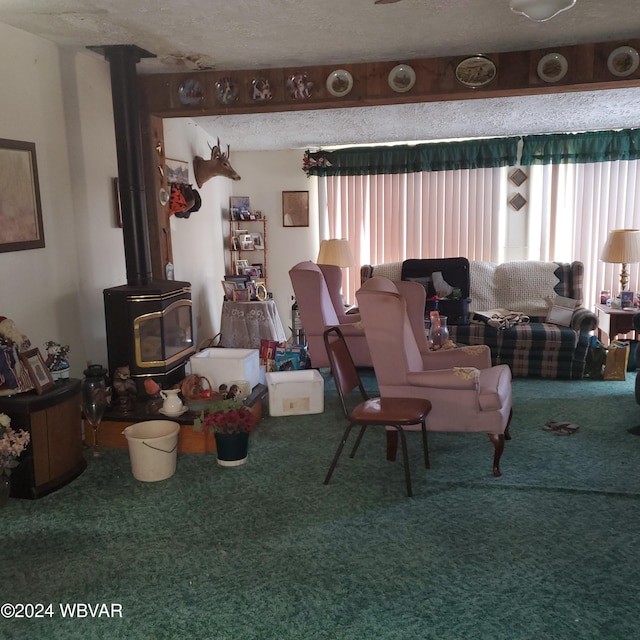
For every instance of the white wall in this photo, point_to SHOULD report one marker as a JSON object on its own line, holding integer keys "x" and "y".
{"x": 200, "y": 242}
{"x": 265, "y": 175}
{"x": 62, "y": 104}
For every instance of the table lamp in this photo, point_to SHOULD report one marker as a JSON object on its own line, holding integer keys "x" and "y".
{"x": 622, "y": 247}
{"x": 335, "y": 251}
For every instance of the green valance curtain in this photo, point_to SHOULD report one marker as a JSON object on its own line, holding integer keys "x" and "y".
{"x": 443, "y": 156}
{"x": 592, "y": 146}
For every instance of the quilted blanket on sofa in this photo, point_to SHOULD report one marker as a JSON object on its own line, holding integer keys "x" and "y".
{"x": 525, "y": 287}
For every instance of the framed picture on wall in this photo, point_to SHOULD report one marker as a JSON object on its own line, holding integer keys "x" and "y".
{"x": 295, "y": 208}
{"x": 20, "y": 207}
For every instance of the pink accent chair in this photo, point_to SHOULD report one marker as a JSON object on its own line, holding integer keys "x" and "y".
{"x": 317, "y": 290}
{"x": 466, "y": 392}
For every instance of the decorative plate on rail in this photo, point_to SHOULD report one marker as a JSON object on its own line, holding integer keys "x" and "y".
{"x": 299, "y": 86}
{"x": 476, "y": 71}
{"x": 226, "y": 90}
{"x": 402, "y": 78}
{"x": 190, "y": 92}
{"x": 623, "y": 61}
{"x": 261, "y": 90}
{"x": 339, "y": 83}
{"x": 552, "y": 67}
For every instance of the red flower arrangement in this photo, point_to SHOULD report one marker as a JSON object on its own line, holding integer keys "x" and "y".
{"x": 228, "y": 416}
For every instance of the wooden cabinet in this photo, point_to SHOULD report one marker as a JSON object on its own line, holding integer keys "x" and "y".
{"x": 248, "y": 241}
{"x": 54, "y": 456}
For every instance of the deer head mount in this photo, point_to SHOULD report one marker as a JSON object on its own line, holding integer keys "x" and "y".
{"x": 218, "y": 165}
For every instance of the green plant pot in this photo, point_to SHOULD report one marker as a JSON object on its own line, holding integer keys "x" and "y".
{"x": 232, "y": 448}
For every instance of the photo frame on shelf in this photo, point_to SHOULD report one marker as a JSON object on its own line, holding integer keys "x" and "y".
{"x": 239, "y": 207}
{"x": 229, "y": 288}
{"x": 246, "y": 242}
{"x": 258, "y": 240}
{"x": 40, "y": 375}
{"x": 251, "y": 271}
{"x": 235, "y": 243}
{"x": 241, "y": 265}
{"x": 19, "y": 169}
{"x": 259, "y": 268}
{"x": 295, "y": 208}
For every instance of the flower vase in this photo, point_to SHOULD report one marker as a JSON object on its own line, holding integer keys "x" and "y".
{"x": 232, "y": 448}
{"x": 5, "y": 489}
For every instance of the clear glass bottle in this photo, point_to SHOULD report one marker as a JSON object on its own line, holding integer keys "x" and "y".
{"x": 438, "y": 333}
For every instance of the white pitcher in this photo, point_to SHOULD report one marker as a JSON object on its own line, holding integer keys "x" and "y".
{"x": 172, "y": 404}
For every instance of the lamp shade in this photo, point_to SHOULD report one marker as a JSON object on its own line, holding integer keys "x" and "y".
{"x": 540, "y": 10}
{"x": 335, "y": 251}
{"x": 622, "y": 246}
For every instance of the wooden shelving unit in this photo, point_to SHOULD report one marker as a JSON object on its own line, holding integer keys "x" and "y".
{"x": 254, "y": 256}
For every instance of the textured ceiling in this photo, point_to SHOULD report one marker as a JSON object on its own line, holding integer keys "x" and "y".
{"x": 245, "y": 34}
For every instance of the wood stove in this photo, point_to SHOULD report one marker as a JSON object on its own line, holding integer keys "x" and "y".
{"x": 149, "y": 322}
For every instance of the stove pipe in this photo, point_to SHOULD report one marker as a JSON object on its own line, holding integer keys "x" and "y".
{"x": 126, "y": 115}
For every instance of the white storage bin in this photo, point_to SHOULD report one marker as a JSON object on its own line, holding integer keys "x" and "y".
{"x": 295, "y": 393}
{"x": 221, "y": 366}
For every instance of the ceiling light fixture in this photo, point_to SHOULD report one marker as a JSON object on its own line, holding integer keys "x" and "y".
{"x": 540, "y": 10}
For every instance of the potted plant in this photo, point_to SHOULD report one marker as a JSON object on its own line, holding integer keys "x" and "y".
{"x": 231, "y": 422}
{"x": 12, "y": 444}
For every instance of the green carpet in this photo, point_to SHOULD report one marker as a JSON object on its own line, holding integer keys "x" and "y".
{"x": 550, "y": 550}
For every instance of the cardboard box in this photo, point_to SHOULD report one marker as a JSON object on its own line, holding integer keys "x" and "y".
{"x": 295, "y": 393}
{"x": 222, "y": 366}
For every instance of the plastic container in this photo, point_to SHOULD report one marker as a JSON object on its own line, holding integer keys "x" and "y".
{"x": 294, "y": 393}
{"x": 221, "y": 366}
{"x": 153, "y": 449}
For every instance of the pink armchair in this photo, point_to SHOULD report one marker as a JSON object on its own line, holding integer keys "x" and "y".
{"x": 317, "y": 290}
{"x": 466, "y": 393}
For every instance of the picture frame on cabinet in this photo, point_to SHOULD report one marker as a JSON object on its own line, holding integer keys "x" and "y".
{"x": 242, "y": 295}
{"x": 40, "y": 375}
{"x": 229, "y": 288}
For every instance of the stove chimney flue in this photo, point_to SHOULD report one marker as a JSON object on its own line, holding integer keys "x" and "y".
{"x": 124, "y": 90}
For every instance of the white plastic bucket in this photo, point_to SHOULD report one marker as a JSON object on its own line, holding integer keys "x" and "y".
{"x": 153, "y": 449}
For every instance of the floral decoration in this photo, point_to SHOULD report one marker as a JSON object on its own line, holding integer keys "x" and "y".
{"x": 12, "y": 444}
{"x": 312, "y": 159}
{"x": 228, "y": 416}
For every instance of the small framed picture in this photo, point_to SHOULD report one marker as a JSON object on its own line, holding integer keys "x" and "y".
{"x": 235, "y": 244}
{"x": 252, "y": 272}
{"x": 242, "y": 295}
{"x": 38, "y": 372}
{"x": 239, "y": 280}
{"x": 626, "y": 299}
{"x": 259, "y": 269}
{"x": 295, "y": 208}
{"x": 258, "y": 240}
{"x": 261, "y": 291}
{"x": 241, "y": 265}
{"x": 229, "y": 288}
{"x": 246, "y": 242}
{"x": 239, "y": 207}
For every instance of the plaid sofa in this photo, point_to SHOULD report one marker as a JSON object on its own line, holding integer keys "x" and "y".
{"x": 536, "y": 349}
